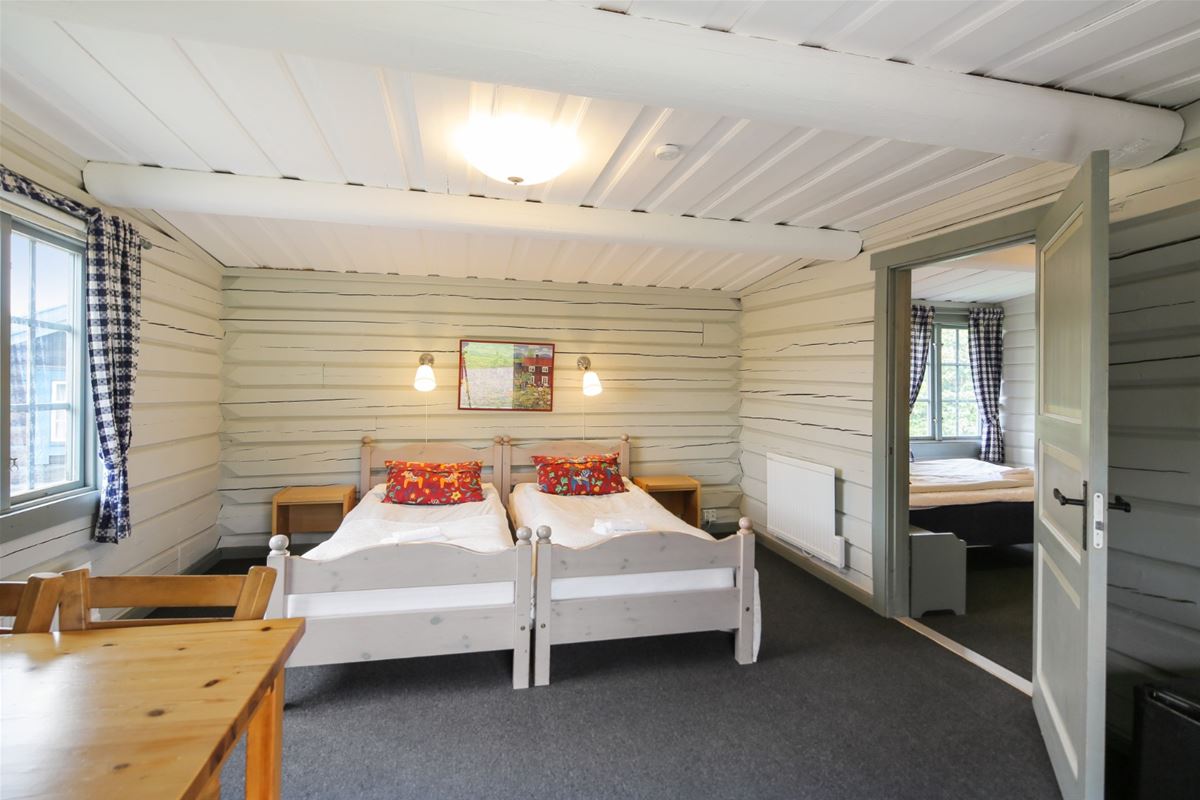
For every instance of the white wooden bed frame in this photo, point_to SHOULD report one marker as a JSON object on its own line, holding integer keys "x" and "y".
{"x": 378, "y": 636}
{"x": 628, "y": 616}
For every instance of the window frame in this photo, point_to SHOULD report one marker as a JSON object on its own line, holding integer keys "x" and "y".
{"x": 933, "y": 379}
{"x": 81, "y": 495}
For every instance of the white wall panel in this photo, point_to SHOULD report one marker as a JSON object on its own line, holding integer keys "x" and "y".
{"x": 1154, "y": 459}
{"x": 1017, "y": 386}
{"x": 806, "y": 391}
{"x": 316, "y": 360}
{"x": 175, "y": 451}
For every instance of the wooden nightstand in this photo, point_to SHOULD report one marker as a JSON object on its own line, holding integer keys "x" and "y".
{"x": 679, "y": 494}
{"x": 310, "y": 509}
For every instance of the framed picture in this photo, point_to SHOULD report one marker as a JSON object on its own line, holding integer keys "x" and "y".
{"x": 505, "y": 376}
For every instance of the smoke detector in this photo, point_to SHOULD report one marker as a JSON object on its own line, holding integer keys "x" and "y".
{"x": 667, "y": 152}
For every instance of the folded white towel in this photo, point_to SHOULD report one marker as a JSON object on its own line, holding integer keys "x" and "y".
{"x": 431, "y": 533}
{"x": 607, "y": 526}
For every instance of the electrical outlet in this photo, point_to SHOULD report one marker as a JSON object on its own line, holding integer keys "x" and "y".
{"x": 708, "y": 516}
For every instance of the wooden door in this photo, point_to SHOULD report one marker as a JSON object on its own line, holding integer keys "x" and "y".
{"x": 1071, "y": 445}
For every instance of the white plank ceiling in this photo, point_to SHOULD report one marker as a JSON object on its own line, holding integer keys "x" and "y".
{"x": 991, "y": 277}
{"x": 139, "y": 98}
{"x": 1145, "y": 52}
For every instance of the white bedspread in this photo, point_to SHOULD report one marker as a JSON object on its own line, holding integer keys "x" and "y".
{"x": 965, "y": 481}
{"x": 480, "y": 526}
{"x": 572, "y": 521}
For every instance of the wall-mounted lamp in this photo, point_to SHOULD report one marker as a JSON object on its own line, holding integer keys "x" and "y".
{"x": 591, "y": 381}
{"x": 591, "y": 387}
{"x": 424, "y": 381}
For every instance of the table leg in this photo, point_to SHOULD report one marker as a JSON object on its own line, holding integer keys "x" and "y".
{"x": 264, "y": 746}
{"x": 212, "y": 790}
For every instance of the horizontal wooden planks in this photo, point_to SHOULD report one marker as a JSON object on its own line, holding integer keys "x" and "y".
{"x": 1154, "y": 449}
{"x": 313, "y": 361}
{"x": 806, "y": 388}
{"x": 176, "y": 450}
{"x": 1017, "y": 387}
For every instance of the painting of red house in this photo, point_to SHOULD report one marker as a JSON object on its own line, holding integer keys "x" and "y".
{"x": 505, "y": 376}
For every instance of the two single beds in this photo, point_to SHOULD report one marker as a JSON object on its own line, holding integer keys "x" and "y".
{"x": 398, "y": 581}
{"x": 659, "y": 576}
{"x": 983, "y": 504}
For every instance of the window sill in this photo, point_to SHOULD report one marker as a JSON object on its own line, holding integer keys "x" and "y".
{"x": 40, "y": 515}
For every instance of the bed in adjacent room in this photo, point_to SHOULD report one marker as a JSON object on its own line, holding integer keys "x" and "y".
{"x": 983, "y": 504}
{"x": 620, "y": 565}
{"x": 399, "y": 580}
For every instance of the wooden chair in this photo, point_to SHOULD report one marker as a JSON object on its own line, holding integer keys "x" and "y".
{"x": 246, "y": 595}
{"x": 31, "y": 603}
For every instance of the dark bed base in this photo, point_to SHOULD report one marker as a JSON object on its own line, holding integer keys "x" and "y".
{"x": 979, "y": 524}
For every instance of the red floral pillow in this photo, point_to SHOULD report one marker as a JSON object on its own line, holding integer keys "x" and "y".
{"x": 429, "y": 484}
{"x": 599, "y": 474}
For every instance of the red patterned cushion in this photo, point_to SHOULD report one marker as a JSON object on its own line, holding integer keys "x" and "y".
{"x": 599, "y": 474}
{"x": 428, "y": 484}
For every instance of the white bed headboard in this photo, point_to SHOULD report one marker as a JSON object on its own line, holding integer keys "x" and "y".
{"x": 373, "y": 456}
{"x": 518, "y": 459}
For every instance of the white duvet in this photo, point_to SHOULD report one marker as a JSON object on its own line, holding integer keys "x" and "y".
{"x": 480, "y": 526}
{"x": 573, "y": 522}
{"x": 965, "y": 481}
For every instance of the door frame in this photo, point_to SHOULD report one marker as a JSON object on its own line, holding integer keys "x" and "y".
{"x": 889, "y": 406}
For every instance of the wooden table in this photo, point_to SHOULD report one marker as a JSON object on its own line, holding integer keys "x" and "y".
{"x": 143, "y": 712}
{"x": 679, "y": 494}
{"x": 311, "y": 509}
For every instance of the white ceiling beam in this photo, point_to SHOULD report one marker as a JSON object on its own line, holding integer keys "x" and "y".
{"x": 167, "y": 190}
{"x": 582, "y": 51}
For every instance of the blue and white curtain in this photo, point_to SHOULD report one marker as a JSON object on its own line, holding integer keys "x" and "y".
{"x": 114, "y": 302}
{"x": 922, "y": 333}
{"x": 985, "y": 341}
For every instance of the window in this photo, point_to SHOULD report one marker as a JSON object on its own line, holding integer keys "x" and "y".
{"x": 60, "y": 420}
{"x": 46, "y": 408}
{"x": 947, "y": 378}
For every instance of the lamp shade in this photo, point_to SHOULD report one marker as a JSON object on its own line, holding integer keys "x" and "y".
{"x": 591, "y": 384}
{"x": 518, "y": 149}
{"x": 424, "y": 380}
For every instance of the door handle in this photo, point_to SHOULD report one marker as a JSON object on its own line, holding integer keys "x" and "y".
{"x": 1120, "y": 504}
{"x": 1063, "y": 500}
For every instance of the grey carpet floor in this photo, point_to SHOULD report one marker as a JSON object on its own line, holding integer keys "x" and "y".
{"x": 999, "y": 619}
{"x": 842, "y": 704}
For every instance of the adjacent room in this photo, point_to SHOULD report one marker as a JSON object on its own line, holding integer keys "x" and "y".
{"x": 971, "y": 475}
{"x": 600, "y": 399}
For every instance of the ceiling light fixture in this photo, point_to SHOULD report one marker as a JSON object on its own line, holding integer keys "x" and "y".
{"x": 516, "y": 149}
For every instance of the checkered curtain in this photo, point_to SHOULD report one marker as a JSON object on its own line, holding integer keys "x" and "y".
{"x": 114, "y": 301}
{"x": 985, "y": 340}
{"x": 922, "y": 332}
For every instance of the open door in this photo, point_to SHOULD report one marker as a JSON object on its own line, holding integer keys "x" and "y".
{"x": 1071, "y": 446}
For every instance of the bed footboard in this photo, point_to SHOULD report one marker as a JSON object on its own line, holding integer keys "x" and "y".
{"x": 632, "y": 615}
{"x": 379, "y": 635}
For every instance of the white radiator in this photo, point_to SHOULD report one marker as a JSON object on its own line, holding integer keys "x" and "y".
{"x": 800, "y": 507}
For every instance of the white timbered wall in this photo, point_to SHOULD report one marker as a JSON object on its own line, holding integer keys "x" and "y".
{"x": 806, "y": 391}
{"x": 1154, "y": 458}
{"x": 1017, "y": 387}
{"x": 315, "y": 360}
{"x": 173, "y": 460}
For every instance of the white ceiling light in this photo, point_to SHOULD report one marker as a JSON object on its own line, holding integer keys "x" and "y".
{"x": 517, "y": 149}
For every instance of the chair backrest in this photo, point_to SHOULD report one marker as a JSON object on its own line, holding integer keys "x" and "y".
{"x": 31, "y": 603}
{"x": 246, "y": 595}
